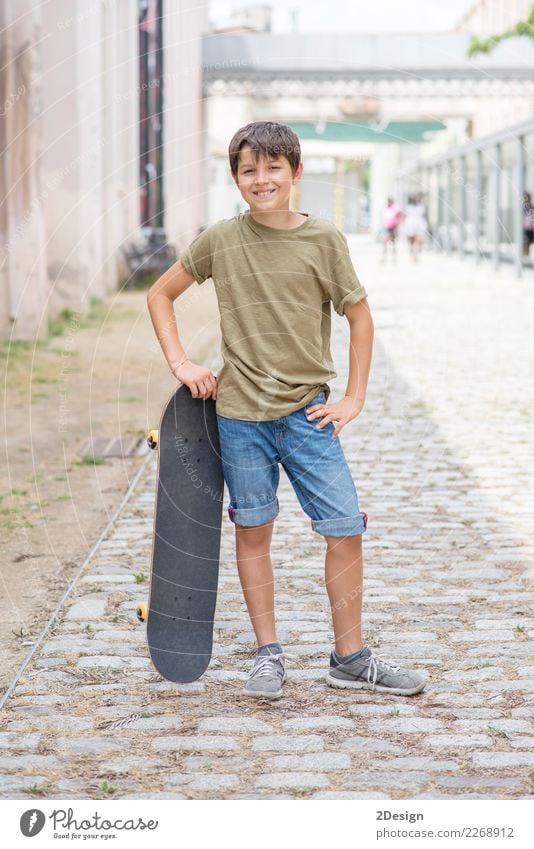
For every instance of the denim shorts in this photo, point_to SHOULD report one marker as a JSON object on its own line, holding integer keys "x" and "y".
{"x": 313, "y": 461}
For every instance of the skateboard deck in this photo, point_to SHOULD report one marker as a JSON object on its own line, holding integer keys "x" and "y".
{"x": 187, "y": 535}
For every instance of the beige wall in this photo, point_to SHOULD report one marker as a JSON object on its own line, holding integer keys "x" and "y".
{"x": 69, "y": 168}
{"x": 90, "y": 77}
{"x": 184, "y": 161}
{"x": 22, "y": 256}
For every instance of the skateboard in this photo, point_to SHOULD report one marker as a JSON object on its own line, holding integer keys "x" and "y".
{"x": 187, "y": 535}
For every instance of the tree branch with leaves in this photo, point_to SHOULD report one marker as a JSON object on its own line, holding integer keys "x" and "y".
{"x": 523, "y": 29}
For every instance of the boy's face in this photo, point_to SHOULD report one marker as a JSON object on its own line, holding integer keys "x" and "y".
{"x": 265, "y": 181}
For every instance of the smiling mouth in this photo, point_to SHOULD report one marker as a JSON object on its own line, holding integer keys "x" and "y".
{"x": 262, "y": 195}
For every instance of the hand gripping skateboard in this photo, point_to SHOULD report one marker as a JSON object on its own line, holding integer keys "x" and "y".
{"x": 187, "y": 536}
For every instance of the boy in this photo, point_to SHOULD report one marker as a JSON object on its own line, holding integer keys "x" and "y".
{"x": 275, "y": 273}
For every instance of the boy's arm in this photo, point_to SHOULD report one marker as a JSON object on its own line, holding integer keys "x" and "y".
{"x": 361, "y": 347}
{"x": 160, "y": 298}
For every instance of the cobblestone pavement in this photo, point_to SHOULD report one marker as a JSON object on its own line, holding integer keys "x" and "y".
{"x": 443, "y": 459}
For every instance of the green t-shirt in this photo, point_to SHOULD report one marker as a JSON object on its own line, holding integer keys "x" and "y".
{"x": 274, "y": 289}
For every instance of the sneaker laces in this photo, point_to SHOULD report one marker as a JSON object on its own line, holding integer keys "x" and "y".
{"x": 262, "y": 664}
{"x": 378, "y": 664}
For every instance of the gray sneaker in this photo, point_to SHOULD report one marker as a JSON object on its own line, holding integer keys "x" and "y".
{"x": 371, "y": 672}
{"x": 266, "y": 676}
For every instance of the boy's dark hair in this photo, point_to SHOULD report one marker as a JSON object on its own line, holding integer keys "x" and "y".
{"x": 268, "y": 138}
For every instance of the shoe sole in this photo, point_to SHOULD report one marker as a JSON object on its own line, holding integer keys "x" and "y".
{"x": 265, "y": 694}
{"x": 363, "y": 685}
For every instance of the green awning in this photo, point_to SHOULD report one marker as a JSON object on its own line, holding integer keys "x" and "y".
{"x": 392, "y": 132}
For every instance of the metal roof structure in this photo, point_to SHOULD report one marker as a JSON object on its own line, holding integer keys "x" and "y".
{"x": 420, "y": 56}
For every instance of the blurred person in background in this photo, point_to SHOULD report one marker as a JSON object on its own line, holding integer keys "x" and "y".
{"x": 392, "y": 218}
{"x": 528, "y": 223}
{"x": 415, "y": 225}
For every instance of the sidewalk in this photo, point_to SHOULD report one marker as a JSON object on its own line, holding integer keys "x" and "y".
{"x": 443, "y": 459}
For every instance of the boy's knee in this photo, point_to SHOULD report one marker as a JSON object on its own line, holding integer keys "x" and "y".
{"x": 347, "y": 541}
{"x": 255, "y": 532}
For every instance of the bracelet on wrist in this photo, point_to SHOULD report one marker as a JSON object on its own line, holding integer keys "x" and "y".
{"x": 179, "y": 364}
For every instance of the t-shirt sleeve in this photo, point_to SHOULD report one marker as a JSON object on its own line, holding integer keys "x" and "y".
{"x": 343, "y": 285}
{"x": 197, "y": 259}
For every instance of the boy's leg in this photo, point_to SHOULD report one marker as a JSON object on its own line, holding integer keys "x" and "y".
{"x": 344, "y": 584}
{"x": 352, "y": 664}
{"x": 321, "y": 478}
{"x": 257, "y": 580}
{"x": 250, "y": 462}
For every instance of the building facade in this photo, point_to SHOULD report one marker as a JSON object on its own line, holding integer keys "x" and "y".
{"x": 364, "y": 106}
{"x": 71, "y": 176}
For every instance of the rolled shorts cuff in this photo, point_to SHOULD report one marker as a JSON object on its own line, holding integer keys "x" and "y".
{"x": 345, "y": 527}
{"x": 253, "y": 516}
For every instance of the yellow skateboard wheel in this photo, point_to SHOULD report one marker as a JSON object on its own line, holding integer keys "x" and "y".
{"x": 142, "y": 612}
{"x": 152, "y": 438}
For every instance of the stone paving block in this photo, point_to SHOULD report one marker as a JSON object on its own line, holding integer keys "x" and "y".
{"x": 113, "y": 661}
{"x": 19, "y": 742}
{"x": 88, "y": 608}
{"x": 440, "y": 741}
{"x": 224, "y": 764}
{"x": 483, "y": 725}
{"x": 261, "y": 796}
{"x": 18, "y": 783}
{"x": 302, "y": 743}
{"x": 128, "y": 764}
{"x": 176, "y": 779}
{"x": 521, "y": 684}
{"x": 14, "y": 763}
{"x": 418, "y": 763}
{"x": 474, "y": 713}
{"x": 406, "y": 725}
{"x": 233, "y": 724}
{"x": 481, "y": 636}
{"x": 416, "y": 651}
{"x": 293, "y": 780}
{"x": 53, "y": 724}
{"x": 348, "y": 794}
{"x": 194, "y": 743}
{"x": 382, "y": 710}
{"x": 49, "y": 701}
{"x": 157, "y": 723}
{"x": 500, "y": 650}
{"x": 488, "y": 624}
{"x": 370, "y": 744}
{"x": 318, "y": 723}
{"x": 306, "y": 674}
{"x": 413, "y": 636}
{"x": 103, "y": 578}
{"x": 453, "y": 796}
{"x": 224, "y": 675}
{"x": 525, "y": 743}
{"x": 194, "y": 688}
{"x": 316, "y": 761}
{"x": 213, "y": 781}
{"x": 380, "y": 780}
{"x": 471, "y": 782}
{"x": 131, "y": 796}
{"x": 500, "y": 760}
{"x": 90, "y": 745}
{"x": 477, "y": 675}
